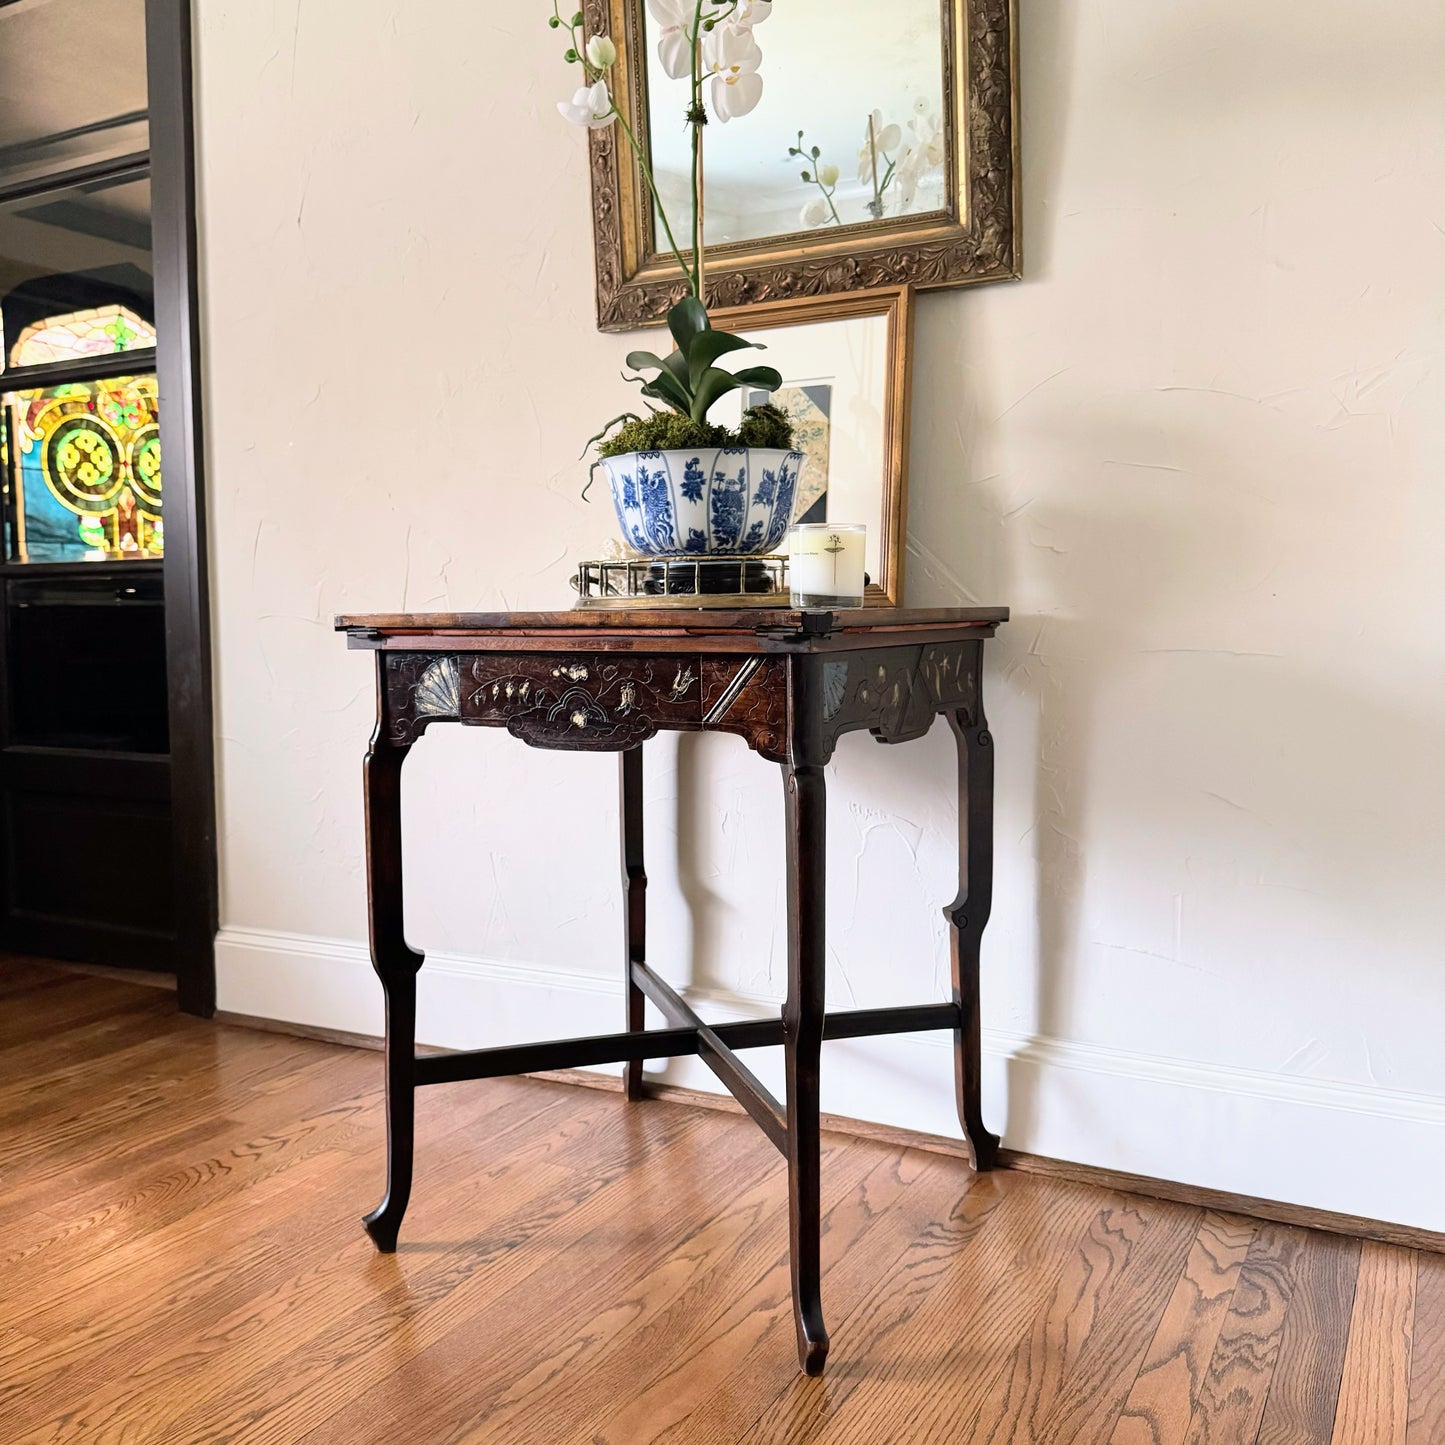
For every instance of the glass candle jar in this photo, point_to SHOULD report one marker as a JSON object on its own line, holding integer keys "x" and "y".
{"x": 825, "y": 564}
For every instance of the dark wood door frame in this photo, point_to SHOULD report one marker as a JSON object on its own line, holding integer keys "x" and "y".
{"x": 187, "y": 577}
{"x": 170, "y": 163}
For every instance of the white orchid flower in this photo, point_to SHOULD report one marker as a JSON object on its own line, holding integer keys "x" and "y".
{"x": 816, "y": 212}
{"x": 601, "y": 53}
{"x": 591, "y": 106}
{"x": 674, "y": 25}
{"x": 751, "y": 12}
{"x": 878, "y": 141}
{"x": 928, "y": 141}
{"x": 731, "y": 54}
{"x": 906, "y": 175}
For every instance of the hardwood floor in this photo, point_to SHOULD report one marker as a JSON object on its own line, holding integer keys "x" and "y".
{"x": 183, "y": 1262}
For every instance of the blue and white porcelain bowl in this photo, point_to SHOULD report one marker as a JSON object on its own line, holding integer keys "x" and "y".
{"x": 727, "y": 501}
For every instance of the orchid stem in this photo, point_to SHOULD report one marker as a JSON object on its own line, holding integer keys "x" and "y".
{"x": 579, "y": 49}
{"x": 652, "y": 186}
{"x": 696, "y": 116}
{"x": 873, "y": 156}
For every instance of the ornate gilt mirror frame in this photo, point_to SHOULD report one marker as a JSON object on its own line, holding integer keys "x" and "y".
{"x": 974, "y": 239}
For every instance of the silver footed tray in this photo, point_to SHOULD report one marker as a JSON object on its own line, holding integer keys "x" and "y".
{"x": 683, "y": 581}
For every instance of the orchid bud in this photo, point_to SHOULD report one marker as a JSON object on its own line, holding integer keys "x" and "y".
{"x": 828, "y": 176}
{"x": 601, "y": 52}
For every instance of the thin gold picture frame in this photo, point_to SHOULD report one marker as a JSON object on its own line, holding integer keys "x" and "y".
{"x": 895, "y": 303}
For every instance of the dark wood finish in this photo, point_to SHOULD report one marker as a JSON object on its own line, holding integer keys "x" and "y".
{"x": 396, "y": 966}
{"x": 790, "y": 683}
{"x": 806, "y": 802}
{"x": 178, "y": 1268}
{"x": 139, "y": 362}
{"x": 917, "y": 1018}
{"x": 967, "y": 917}
{"x": 653, "y": 625}
{"x": 60, "y": 805}
{"x": 741, "y": 1082}
{"x": 171, "y": 820}
{"x": 634, "y": 886}
{"x": 187, "y": 578}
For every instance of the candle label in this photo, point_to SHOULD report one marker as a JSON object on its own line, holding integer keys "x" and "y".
{"x": 826, "y": 565}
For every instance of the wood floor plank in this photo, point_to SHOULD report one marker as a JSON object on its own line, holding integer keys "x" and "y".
{"x": 1374, "y": 1396}
{"x": 19, "y": 974}
{"x": 1162, "y": 1399}
{"x": 1427, "y": 1354}
{"x": 1304, "y": 1392}
{"x": 31, "y": 1033}
{"x": 726, "y": 1373}
{"x": 578, "y": 1380}
{"x": 1099, "y": 1372}
{"x": 166, "y": 1227}
{"x": 223, "y": 1304}
{"x": 975, "y": 1293}
{"x": 183, "y": 1263}
{"x": 1236, "y": 1385}
{"x": 582, "y": 1245}
{"x": 130, "y": 1338}
{"x": 199, "y": 1124}
{"x": 1072, "y": 1372}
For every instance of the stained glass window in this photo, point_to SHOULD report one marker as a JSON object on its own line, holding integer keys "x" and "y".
{"x": 85, "y": 466}
{"x": 98, "y": 332}
{"x": 80, "y": 248}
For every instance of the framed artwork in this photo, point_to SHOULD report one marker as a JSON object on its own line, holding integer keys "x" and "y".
{"x": 845, "y": 363}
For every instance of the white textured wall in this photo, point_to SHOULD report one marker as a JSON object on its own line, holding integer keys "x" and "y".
{"x": 1200, "y": 451}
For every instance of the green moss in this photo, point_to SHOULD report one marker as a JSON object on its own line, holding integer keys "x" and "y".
{"x": 762, "y": 426}
{"x": 663, "y": 431}
{"x": 766, "y": 426}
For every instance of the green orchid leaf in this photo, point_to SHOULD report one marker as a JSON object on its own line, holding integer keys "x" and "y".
{"x": 673, "y": 365}
{"x": 765, "y": 377}
{"x": 638, "y": 359}
{"x": 715, "y": 382}
{"x": 666, "y": 387}
{"x": 686, "y": 320}
{"x": 707, "y": 347}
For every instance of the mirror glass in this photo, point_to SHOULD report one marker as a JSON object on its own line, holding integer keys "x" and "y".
{"x": 839, "y": 79}
{"x": 835, "y": 389}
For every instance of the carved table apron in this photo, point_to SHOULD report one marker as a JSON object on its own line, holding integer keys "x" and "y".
{"x": 789, "y": 683}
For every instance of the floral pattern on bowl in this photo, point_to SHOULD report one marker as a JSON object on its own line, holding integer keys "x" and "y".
{"x": 725, "y": 501}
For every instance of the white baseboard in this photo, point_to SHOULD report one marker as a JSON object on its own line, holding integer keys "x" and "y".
{"x": 1349, "y": 1148}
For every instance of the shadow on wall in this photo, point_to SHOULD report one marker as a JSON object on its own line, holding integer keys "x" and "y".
{"x": 1048, "y": 31}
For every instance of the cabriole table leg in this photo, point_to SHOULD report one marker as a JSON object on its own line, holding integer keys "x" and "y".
{"x": 967, "y": 917}
{"x": 634, "y": 884}
{"x": 803, "y": 1015}
{"x": 396, "y": 965}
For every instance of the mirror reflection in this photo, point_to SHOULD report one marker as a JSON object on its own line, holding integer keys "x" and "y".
{"x": 830, "y": 121}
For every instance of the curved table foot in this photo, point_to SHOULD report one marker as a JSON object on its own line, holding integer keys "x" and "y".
{"x": 812, "y": 1343}
{"x": 383, "y": 1225}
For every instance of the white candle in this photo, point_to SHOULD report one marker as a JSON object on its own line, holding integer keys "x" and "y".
{"x": 825, "y": 564}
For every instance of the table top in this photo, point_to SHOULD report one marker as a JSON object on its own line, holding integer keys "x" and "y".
{"x": 667, "y": 629}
